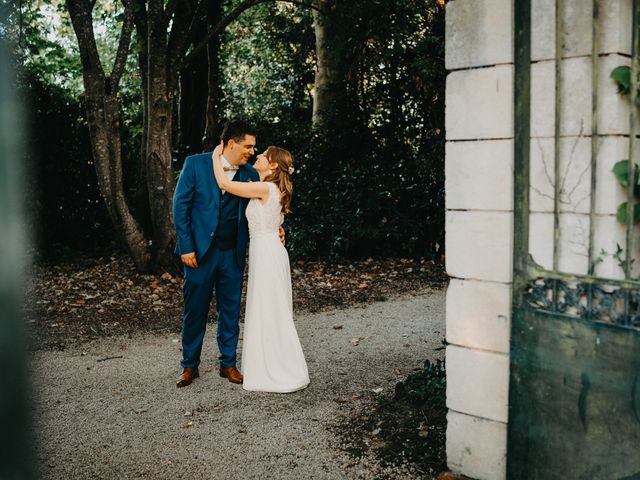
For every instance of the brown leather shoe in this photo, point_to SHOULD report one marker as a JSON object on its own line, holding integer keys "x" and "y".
{"x": 231, "y": 373}
{"x": 187, "y": 376}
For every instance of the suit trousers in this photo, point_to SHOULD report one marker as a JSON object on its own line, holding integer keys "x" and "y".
{"x": 218, "y": 270}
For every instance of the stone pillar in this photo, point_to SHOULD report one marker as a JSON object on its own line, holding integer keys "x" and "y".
{"x": 479, "y": 224}
{"x": 479, "y": 192}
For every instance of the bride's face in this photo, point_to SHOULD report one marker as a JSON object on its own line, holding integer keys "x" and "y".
{"x": 262, "y": 163}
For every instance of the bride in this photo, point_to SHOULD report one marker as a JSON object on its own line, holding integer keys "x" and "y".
{"x": 272, "y": 358}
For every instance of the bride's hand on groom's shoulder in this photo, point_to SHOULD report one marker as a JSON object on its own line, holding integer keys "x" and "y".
{"x": 218, "y": 150}
{"x": 282, "y": 235}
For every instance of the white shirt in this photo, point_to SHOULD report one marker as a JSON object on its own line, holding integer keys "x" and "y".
{"x": 230, "y": 173}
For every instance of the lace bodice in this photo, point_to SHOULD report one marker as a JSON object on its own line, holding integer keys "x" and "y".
{"x": 265, "y": 219}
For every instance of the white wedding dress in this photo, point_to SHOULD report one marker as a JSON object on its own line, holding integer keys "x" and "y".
{"x": 272, "y": 358}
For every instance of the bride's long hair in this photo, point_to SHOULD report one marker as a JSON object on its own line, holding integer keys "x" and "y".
{"x": 281, "y": 176}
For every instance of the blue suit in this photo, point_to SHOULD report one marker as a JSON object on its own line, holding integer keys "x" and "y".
{"x": 196, "y": 211}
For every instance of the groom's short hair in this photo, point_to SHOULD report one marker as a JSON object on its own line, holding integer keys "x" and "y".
{"x": 236, "y": 130}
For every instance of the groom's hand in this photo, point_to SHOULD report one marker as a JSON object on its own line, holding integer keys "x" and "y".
{"x": 281, "y": 231}
{"x": 189, "y": 259}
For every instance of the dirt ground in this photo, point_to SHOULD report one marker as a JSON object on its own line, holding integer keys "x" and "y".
{"x": 106, "y": 407}
{"x": 85, "y": 298}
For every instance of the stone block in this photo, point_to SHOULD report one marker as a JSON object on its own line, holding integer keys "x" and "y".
{"x": 478, "y": 314}
{"x": 576, "y": 98}
{"x": 479, "y": 245}
{"x": 573, "y": 244}
{"x": 479, "y": 175}
{"x": 609, "y": 234}
{"x": 479, "y": 103}
{"x": 609, "y": 192}
{"x": 613, "y": 108}
{"x": 478, "y": 382}
{"x": 574, "y": 179}
{"x": 476, "y": 447}
{"x": 478, "y": 33}
{"x": 615, "y": 28}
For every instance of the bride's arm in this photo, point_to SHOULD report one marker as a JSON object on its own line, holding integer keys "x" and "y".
{"x": 240, "y": 189}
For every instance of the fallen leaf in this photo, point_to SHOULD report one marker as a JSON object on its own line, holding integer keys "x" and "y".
{"x": 186, "y": 425}
{"x": 377, "y": 390}
{"x": 337, "y": 327}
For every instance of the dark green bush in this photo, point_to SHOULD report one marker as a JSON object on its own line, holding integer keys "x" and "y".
{"x": 63, "y": 200}
{"x": 428, "y": 385}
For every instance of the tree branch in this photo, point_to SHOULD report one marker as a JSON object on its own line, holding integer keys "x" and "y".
{"x": 123, "y": 46}
{"x": 182, "y": 21}
{"x": 140, "y": 21}
{"x": 179, "y": 40}
{"x": 81, "y": 19}
{"x": 172, "y": 6}
{"x": 194, "y": 20}
{"x": 235, "y": 13}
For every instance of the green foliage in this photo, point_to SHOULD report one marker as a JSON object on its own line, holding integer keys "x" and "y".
{"x": 64, "y": 200}
{"x": 621, "y": 213}
{"x": 63, "y": 196}
{"x": 621, "y": 171}
{"x": 622, "y": 76}
{"x": 43, "y": 42}
{"x": 375, "y": 187}
{"x": 267, "y": 66}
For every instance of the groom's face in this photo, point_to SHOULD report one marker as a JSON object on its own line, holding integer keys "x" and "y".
{"x": 244, "y": 149}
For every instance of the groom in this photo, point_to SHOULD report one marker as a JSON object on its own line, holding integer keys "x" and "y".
{"x": 212, "y": 235}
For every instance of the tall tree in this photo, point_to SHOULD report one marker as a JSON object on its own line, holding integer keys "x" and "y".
{"x": 200, "y": 92}
{"x": 166, "y": 45}
{"x": 103, "y": 110}
{"x": 331, "y": 102}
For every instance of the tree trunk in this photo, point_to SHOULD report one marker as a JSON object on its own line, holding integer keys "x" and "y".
{"x": 214, "y": 92}
{"x": 160, "y": 181}
{"x": 193, "y": 104}
{"x": 104, "y": 127}
{"x": 139, "y": 163}
{"x": 162, "y": 52}
{"x": 330, "y": 99}
{"x": 200, "y": 88}
{"x": 103, "y": 121}
{"x": 163, "y": 65}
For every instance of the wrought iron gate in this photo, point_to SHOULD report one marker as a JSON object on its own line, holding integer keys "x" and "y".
{"x": 575, "y": 344}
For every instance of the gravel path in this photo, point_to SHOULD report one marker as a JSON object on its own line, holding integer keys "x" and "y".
{"x": 113, "y": 418}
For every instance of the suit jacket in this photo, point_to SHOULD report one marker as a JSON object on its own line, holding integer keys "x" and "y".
{"x": 196, "y": 207}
